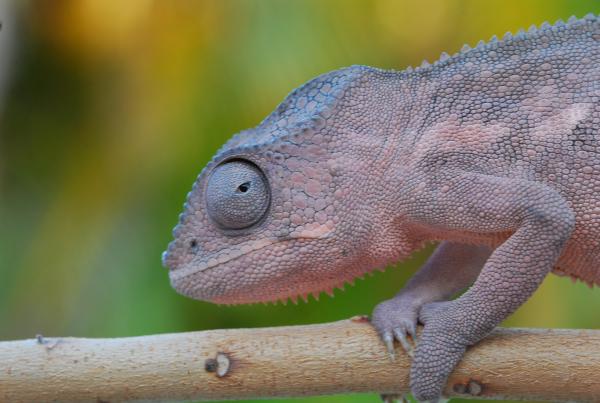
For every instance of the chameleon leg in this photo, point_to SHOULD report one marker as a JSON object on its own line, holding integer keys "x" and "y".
{"x": 450, "y": 269}
{"x": 540, "y": 221}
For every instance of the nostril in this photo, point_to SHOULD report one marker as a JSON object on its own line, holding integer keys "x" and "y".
{"x": 193, "y": 245}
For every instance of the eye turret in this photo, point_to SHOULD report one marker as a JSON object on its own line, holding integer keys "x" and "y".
{"x": 237, "y": 195}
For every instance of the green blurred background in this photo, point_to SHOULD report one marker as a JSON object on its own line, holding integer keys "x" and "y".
{"x": 113, "y": 107}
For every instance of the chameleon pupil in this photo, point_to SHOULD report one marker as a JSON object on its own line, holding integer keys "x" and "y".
{"x": 244, "y": 187}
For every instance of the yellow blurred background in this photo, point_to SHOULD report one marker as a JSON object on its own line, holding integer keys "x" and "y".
{"x": 111, "y": 108}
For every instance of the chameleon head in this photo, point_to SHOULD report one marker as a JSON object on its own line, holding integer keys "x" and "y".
{"x": 283, "y": 209}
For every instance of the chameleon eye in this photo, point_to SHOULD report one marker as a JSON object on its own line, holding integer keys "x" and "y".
{"x": 237, "y": 195}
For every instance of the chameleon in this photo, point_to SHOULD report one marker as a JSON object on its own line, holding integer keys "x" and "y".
{"x": 492, "y": 153}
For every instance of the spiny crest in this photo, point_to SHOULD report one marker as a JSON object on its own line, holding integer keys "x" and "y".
{"x": 508, "y": 36}
{"x": 330, "y": 290}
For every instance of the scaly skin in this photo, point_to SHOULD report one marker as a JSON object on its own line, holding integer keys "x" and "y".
{"x": 495, "y": 151}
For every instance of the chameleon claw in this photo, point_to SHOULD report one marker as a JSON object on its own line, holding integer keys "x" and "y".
{"x": 406, "y": 345}
{"x": 412, "y": 331}
{"x": 388, "y": 339}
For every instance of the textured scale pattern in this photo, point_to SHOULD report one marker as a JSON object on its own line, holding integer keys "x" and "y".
{"x": 494, "y": 152}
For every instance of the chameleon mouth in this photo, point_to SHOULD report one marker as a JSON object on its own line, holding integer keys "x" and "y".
{"x": 218, "y": 259}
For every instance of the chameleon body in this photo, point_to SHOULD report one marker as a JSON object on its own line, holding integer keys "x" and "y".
{"x": 493, "y": 152}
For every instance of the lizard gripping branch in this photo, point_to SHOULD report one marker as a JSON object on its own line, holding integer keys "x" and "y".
{"x": 338, "y": 357}
{"x": 494, "y": 151}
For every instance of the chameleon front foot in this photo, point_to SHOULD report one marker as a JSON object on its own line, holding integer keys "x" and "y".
{"x": 396, "y": 319}
{"x": 441, "y": 346}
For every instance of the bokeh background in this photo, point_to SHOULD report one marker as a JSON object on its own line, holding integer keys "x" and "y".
{"x": 111, "y": 108}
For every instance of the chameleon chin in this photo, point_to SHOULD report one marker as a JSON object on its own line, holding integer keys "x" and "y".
{"x": 494, "y": 152}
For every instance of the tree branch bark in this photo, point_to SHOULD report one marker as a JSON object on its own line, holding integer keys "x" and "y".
{"x": 338, "y": 357}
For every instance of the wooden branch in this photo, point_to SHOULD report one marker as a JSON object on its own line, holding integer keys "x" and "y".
{"x": 339, "y": 357}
